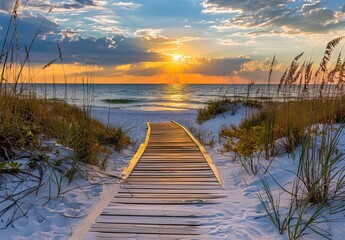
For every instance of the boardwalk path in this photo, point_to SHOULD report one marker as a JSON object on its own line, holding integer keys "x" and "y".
{"x": 166, "y": 182}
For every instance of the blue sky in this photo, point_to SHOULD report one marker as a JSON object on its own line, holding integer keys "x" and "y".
{"x": 138, "y": 39}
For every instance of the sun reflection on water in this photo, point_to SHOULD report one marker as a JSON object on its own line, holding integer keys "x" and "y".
{"x": 176, "y": 96}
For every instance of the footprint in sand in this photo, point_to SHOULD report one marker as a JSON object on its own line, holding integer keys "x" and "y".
{"x": 60, "y": 223}
{"x": 250, "y": 191}
{"x": 94, "y": 191}
{"x": 72, "y": 195}
{"x": 27, "y": 232}
{"x": 72, "y": 205}
{"x": 20, "y": 223}
{"x": 238, "y": 183}
{"x": 259, "y": 209}
{"x": 38, "y": 236}
{"x": 44, "y": 227}
{"x": 221, "y": 231}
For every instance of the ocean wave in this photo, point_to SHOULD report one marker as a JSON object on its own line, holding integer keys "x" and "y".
{"x": 118, "y": 101}
{"x": 147, "y": 100}
{"x": 162, "y": 106}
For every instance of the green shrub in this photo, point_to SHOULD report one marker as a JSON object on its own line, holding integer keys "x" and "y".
{"x": 214, "y": 108}
{"x": 242, "y": 141}
{"x": 24, "y": 120}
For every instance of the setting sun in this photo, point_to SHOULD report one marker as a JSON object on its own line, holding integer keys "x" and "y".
{"x": 177, "y": 58}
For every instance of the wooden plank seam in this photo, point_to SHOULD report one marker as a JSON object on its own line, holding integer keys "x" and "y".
{"x": 204, "y": 153}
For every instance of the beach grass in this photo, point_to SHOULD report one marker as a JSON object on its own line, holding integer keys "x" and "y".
{"x": 27, "y": 164}
{"x": 26, "y": 119}
{"x": 216, "y": 107}
{"x": 308, "y": 126}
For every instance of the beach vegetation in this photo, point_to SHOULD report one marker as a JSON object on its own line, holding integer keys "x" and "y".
{"x": 307, "y": 123}
{"x": 216, "y": 107}
{"x": 27, "y": 165}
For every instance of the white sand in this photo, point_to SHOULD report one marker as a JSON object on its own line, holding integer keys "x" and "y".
{"x": 240, "y": 216}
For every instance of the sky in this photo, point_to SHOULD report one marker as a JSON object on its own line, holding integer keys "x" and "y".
{"x": 171, "y": 41}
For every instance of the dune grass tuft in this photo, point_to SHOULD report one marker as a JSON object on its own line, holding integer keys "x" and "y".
{"x": 28, "y": 164}
{"x": 310, "y": 127}
{"x": 216, "y": 107}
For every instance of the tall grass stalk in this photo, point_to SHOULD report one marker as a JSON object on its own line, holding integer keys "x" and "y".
{"x": 319, "y": 168}
{"x": 297, "y": 218}
{"x": 308, "y": 120}
{"x": 27, "y": 121}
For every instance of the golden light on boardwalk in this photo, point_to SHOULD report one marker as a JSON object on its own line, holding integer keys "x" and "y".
{"x": 162, "y": 189}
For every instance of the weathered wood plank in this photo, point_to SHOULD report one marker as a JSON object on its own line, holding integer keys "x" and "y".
{"x": 170, "y": 186}
{"x": 179, "y": 174}
{"x": 170, "y": 171}
{"x": 171, "y": 195}
{"x": 176, "y": 183}
{"x": 171, "y": 164}
{"x": 163, "y": 201}
{"x": 181, "y": 221}
{"x": 144, "y": 229}
{"x": 165, "y": 168}
{"x": 177, "y": 191}
{"x": 151, "y": 212}
{"x": 119, "y": 236}
{"x": 172, "y": 179}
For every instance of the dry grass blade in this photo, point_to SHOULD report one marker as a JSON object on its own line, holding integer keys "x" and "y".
{"x": 271, "y": 69}
{"x": 60, "y": 52}
{"x": 15, "y": 9}
{"x": 308, "y": 72}
{"x": 48, "y": 64}
{"x": 341, "y": 74}
{"x": 299, "y": 74}
{"x": 337, "y": 69}
{"x": 282, "y": 80}
{"x": 293, "y": 69}
{"x": 270, "y": 75}
{"x": 329, "y": 48}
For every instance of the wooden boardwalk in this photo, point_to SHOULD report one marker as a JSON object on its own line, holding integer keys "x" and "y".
{"x": 164, "y": 185}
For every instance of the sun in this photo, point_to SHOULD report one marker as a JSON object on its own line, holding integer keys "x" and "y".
{"x": 177, "y": 58}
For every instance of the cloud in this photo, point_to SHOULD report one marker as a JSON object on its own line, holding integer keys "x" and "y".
{"x": 85, "y": 2}
{"x": 104, "y": 20}
{"x": 192, "y": 65}
{"x": 230, "y": 6}
{"x": 343, "y": 9}
{"x": 28, "y": 25}
{"x": 7, "y": 5}
{"x": 116, "y": 50}
{"x": 307, "y": 7}
{"x": 127, "y": 5}
{"x": 262, "y": 65}
{"x": 236, "y": 41}
{"x": 275, "y": 16}
{"x": 148, "y": 33}
{"x": 68, "y": 32}
{"x": 243, "y": 68}
{"x": 61, "y": 5}
{"x": 219, "y": 66}
{"x": 142, "y": 46}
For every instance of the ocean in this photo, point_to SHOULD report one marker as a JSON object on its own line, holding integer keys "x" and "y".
{"x": 155, "y": 97}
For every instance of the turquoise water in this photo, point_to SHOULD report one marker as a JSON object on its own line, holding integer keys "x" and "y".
{"x": 154, "y": 97}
